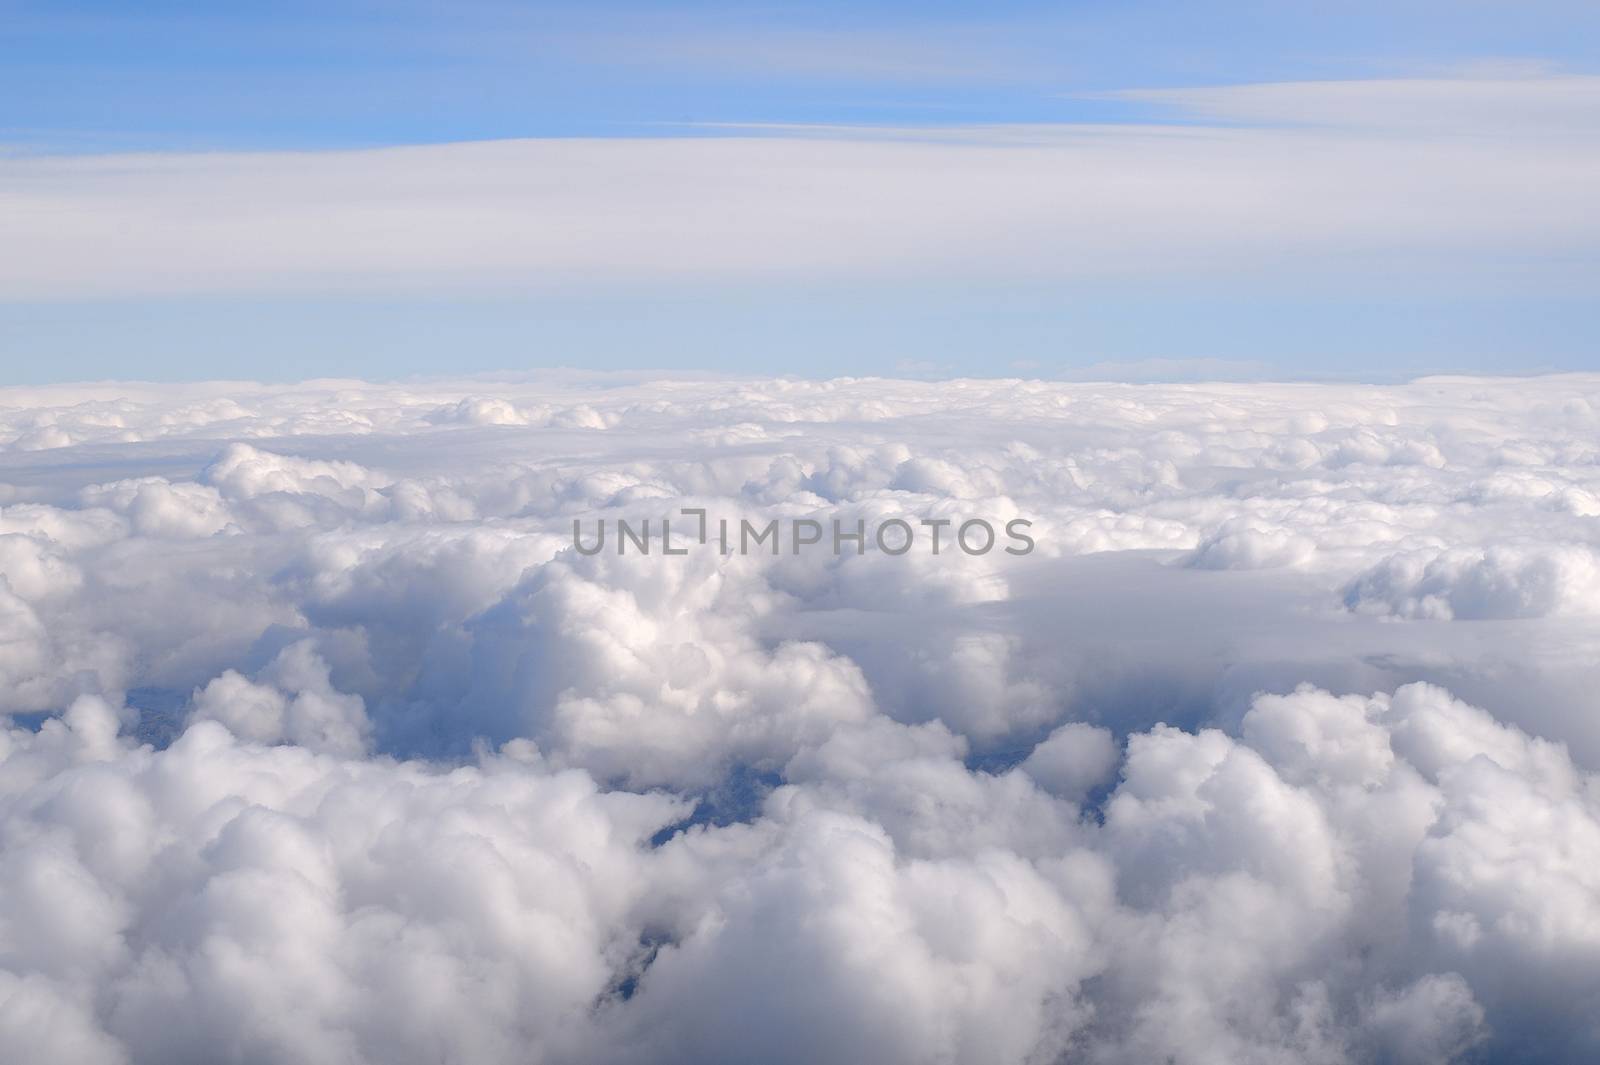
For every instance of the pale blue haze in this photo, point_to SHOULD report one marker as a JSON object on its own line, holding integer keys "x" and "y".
{"x": 96, "y": 78}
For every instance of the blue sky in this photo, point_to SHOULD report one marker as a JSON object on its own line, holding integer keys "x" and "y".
{"x": 91, "y": 92}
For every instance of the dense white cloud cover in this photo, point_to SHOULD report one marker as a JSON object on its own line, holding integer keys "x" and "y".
{"x": 325, "y": 746}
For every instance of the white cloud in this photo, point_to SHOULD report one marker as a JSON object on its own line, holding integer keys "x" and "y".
{"x": 327, "y": 746}
{"x": 1516, "y": 103}
{"x": 1509, "y": 173}
{"x": 1504, "y": 581}
{"x": 315, "y": 716}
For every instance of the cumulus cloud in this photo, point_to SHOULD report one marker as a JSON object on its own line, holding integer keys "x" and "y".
{"x": 297, "y": 705}
{"x": 1503, "y": 581}
{"x": 324, "y": 743}
{"x": 1250, "y": 545}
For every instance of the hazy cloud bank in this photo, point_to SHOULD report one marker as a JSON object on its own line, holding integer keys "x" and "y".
{"x": 1313, "y": 180}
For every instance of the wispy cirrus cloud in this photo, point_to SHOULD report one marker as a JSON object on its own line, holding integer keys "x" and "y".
{"x": 1500, "y": 101}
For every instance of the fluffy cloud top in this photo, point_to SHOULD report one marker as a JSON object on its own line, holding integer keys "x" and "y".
{"x": 324, "y": 745}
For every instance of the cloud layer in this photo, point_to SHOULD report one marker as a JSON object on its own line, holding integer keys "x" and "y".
{"x": 326, "y": 746}
{"x": 1313, "y": 178}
